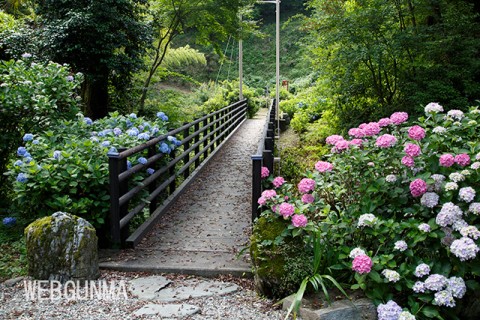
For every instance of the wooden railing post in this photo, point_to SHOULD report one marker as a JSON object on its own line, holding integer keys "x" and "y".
{"x": 186, "y": 145}
{"x": 153, "y": 204}
{"x": 256, "y": 184}
{"x": 197, "y": 139}
{"x": 205, "y": 142}
{"x": 217, "y": 126}
{"x": 171, "y": 172}
{"x": 212, "y": 129}
{"x": 116, "y": 166}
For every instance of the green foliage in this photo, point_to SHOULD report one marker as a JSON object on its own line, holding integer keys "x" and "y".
{"x": 33, "y": 98}
{"x": 105, "y": 40}
{"x": 375, "y": 56}
{"x": 297, "y": 160}
{"x": 66, "y": 168}
{"x": 13, "y": 260}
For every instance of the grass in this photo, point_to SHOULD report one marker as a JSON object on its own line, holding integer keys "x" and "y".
{"x": 13, "y": 259}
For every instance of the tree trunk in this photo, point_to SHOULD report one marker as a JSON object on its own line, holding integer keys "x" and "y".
{"x": 95, "y": 97}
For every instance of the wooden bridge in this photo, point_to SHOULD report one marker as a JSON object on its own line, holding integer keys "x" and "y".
{"x": 201, "y": 200}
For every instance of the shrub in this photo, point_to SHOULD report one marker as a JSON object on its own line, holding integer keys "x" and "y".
{"x": 33, "y": 97}
{"x": 403, "y": 197}
{"x": 66, "y": 168}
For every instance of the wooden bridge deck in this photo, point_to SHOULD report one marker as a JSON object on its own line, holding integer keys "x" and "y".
{"x": 205, "y": 229}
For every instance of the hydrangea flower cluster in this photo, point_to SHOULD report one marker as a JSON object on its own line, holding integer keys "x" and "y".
{"x": 464, "y": 249}
{"x": 9, "y": 221}
{"x": 362, "y": 264}
{"x": 356, "y": 252}
{"x": 386, "y": 141}
{"x": 429, "y": 199}
{"x": 299, "y": 221}
{"x": 400, "y": 245}
{"x": 418, "y": 187}
{"x": 389, "y": 311}
{"x": 391, "y": 275}
{"x": 366, "y": 219}
{"x": 306, "y": 185}
{"x": 278, "y": 182}
{"x": 421, "y": 270}
{"x": 323, "y": 166}
{"x": 264, "y": 172}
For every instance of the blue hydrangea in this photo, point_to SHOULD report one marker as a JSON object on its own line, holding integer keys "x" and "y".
{"x": 174, "y": 140}
{"x": 105, "y": 143}
{"x": 146, "y": 125}
{"x": 70, "y": 78}
{"x": 88, "y": 120}
{"x": 22, "y": 177}
{"x": 27, "y": 160}
{"x": 35, "y": 141}
{"x": 57, "y": 154}
{"x": 162, "y": 116}
{"x": 101, "y": 134}
{"x": 129, "y": 164}
{"x": 144, "y": 136}
{"x": 18, "y": 163}
{"x": 154, "y": 131}
{"x": 128, "y": 123}
{"x": 112, "y": 150}
{"x": 389, "y": 311}
{"x": 150, "y": 171}
{"x": 27, "y": 155}
{"x": 117, "y": 131}
{"x": 142, "y": 160}
{"x": 9, "y": 221}
{"x": 132, "y": 132}
{"x": 132, "y": 115}
{"x": 94, "y": 139}
{"x": 28, "y": 137}
{"x": 21, "y": 151}
{"x": 164, "y": 148}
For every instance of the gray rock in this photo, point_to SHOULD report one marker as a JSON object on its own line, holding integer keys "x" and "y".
{"x": 167, "y": 310}
{"x": 195, "y": 289}
{"x": 13, "y": 281}
{"x": 147, "y": 288}
{"x": 62, "y": 247}
{"x": 361, "y": 309}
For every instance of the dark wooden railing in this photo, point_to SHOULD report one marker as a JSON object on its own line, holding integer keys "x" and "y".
{"x": 201, "y": 140}
{"x": 263, "y": 158}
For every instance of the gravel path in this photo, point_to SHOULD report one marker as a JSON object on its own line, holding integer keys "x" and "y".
{"x": 243, "y": 304}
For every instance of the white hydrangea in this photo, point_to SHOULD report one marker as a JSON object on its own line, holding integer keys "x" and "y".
{"x": 391, "y": 275}
{"x": 464, "y": 249}
{"x": 448, "y": 214}
{"x": 474, "y": 208}
{"x": 435, "y": 282}
{"x": 457, "y": 287}
{"x": 439, "y": 130}
{"x": 356, "y": 252}
{"x": 456, "y": 177}
{"x": 455, "y": 114}
{"x": 444, "y": 298}
{"x": 449, "y": 186}
{"x": 391, "y": 178}
{"x": 425, "y": 227}
{"x": 421, "y": 270}
{"x": 433, "y": 107}
{"x": 475, "y": 165}
{"x": 459, "y": 225}
{"x": 366, "y": 219}
{"x": 400, "y": 245}
{"x": 405, "y": 315}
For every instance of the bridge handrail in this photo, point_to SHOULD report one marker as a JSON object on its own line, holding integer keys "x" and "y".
{"x": 263, "y": 158}
{"x": 208, "y": 134}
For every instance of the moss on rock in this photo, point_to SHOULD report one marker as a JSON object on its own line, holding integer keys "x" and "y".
{"x": 62, "y": 247}
{"x": 271, "y": 259}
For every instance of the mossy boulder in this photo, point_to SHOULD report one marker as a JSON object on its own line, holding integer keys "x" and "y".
{"x": 62, "y": 247}
{"x": 279, "y": 262}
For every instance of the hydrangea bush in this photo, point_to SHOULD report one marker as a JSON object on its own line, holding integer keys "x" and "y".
{"x": 66, "y": 169}
{"x": 397, "y": 209}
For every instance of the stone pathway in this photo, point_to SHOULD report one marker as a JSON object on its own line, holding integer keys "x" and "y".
{"x": 205, "y": 230}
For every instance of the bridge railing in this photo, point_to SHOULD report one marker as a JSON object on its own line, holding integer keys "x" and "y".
{"x": 263, "y": 158}
{"x": 201, "y": 140}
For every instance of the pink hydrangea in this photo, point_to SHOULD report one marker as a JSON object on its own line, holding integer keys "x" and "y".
{"x": 269, "y": 194}
{"x": 278, "y": 182}
{"x": 384, "y": 122}
{"x": 341, "y": 145}
{"x": 308, "y": 198}
{"x": 356, "y": 133}
{"x": 408, "y": 161}
{"x": 462, "y": 159}
{"x": 286, "y": 209}
{"x": 265, "y": 172}
{"x": 412, "y": 150}
{"x": 399, "y": 117}
{"x": 418, "y": 187}
{"x": 416, "y": 133}
{"x": 447, "y": 160}
{"x": 261, "y": 201}
{"x": 299, "y": 221}
{"x": 371, "y": 129}
{"x": 386, "y": 141}
{"x": 362, "y": 264}
{"x": 356, "y": 142}
{"x": 323, "y": 166}
{"x": 306, "y": 185}
{"x": 333, "y": 139}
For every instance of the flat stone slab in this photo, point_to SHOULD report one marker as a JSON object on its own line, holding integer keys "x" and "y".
{"x": 146, "y": 288}
{"x": 161, "y": 289}
{"x": 167, "y": 310}
{"x": 195, "y": 289}
{"x": 341, "y": 309}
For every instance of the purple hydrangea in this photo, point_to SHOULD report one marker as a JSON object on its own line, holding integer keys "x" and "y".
{"x": 466, "y": 194}
{"x": 444, "y": 298}
{"x": 133, "y": 132}
{"x": 419, "y": 287}
{"x": 57, "y": 154}
{"x": 435, "y": 282}
{"x": 457, "y": 287}
{"x": 401, "y": 245}
{"x": 117, "y": 131}
{"x": 421, "y": 270}
{"x": 88, "y": 121}
{"x": 448, "y": 214}
{"x": 162, "y": 116}
{"x": 429, "y": 199}
{"x": 389, "y": 311}
{"x": 425, "y": 227}
{"x": 464, "y": 249}
{"x": 105, "y": 143}
{"x": 150, "y": 171}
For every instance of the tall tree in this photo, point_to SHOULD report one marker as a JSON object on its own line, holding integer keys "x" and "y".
{"x": 212, "y": 21}
{"x": 104, "y": 39}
